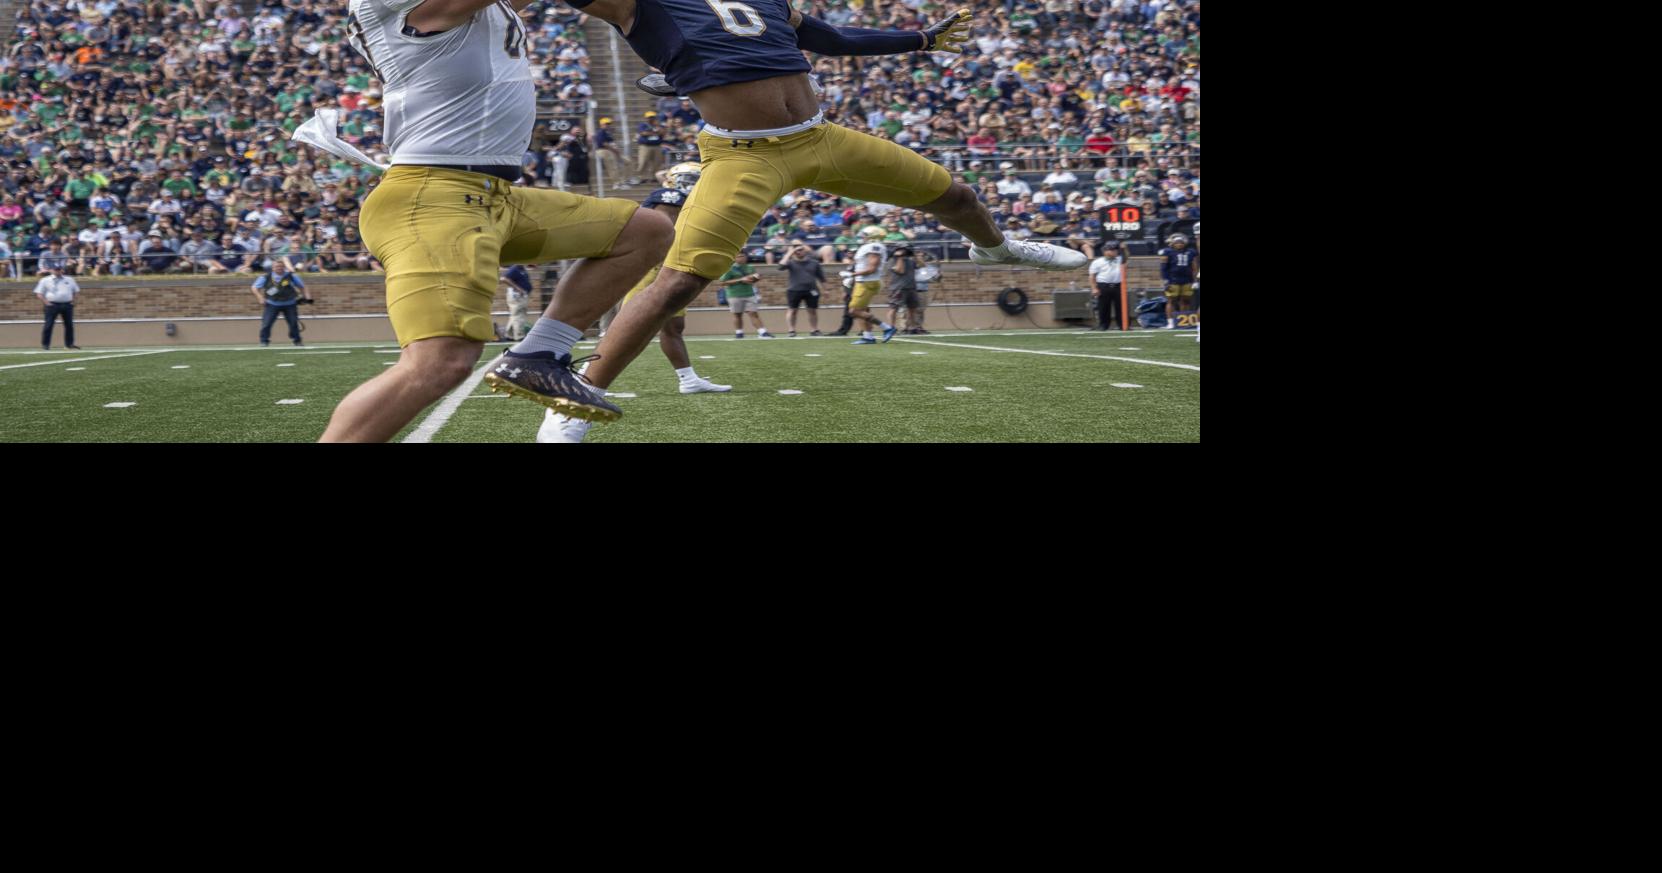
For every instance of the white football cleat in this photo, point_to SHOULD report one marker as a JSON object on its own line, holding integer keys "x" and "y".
{"x": 557, "y": 428}
{"x": 1032, "y": 254}
{"x": 702, "y": 385}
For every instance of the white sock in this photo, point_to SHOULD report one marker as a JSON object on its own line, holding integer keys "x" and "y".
{"x": 997, "y": 251}
{"x": 738, "y": 333}
{"x": 598, "y": 391}
{"x": 686, "y": 374}
{"x": 867, "y": 334}
{"x": 548, "y": 335}
{"x": 885, "y": 325}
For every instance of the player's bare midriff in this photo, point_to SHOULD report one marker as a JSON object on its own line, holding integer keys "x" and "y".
{"x": 764, "y": 104}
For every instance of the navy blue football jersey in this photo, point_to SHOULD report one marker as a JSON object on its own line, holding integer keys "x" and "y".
{"x": 1179, "y": 266}
{"x": 701, "y": 44}
{"x": 667, "y": 196}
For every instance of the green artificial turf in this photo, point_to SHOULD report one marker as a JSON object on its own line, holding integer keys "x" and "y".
{"x": 894, "y": 392}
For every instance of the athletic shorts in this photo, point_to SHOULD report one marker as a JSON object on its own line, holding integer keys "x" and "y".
{"x": 442, "y": 236}
{"x": 1180, "y": 290}
{"x": 744, "y": 304}
{"x": 797, "y": 297}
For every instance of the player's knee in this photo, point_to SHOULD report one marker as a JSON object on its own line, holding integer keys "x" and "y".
{"x": 442, "y": 368}
{"x": 679, "y": 289}
{"x": 652, "y": 231}
{"x": 438, "y": 375}
{"x": 958, "y": 199}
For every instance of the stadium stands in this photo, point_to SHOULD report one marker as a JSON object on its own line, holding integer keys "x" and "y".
{"x": 152, "y": 136}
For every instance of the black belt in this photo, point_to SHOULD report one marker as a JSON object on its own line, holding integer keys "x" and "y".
{"x": 506, "y": 172}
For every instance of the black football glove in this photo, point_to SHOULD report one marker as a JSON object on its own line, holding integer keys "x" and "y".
{"x": 950, "y": 34}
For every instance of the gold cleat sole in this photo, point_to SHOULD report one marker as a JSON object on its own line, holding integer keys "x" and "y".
{"x": 568, "y": 408}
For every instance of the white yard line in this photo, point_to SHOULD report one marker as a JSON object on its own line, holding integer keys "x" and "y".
{"x": 425, "y": 431}
{"x": 1052, "y": 354}
{"x": 78, "y": 360}
{"x": 382, "y": 348}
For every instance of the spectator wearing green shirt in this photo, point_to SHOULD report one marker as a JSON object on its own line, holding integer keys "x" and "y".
{"x": 179, "y": 185}
{"x": 845, "y": 245}
{"x": 219, "y": 176}
{"x": 739, "y": 283}
{"x": 79, "y": 189}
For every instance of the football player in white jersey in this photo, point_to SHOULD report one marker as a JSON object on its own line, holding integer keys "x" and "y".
{"x": 459, "y": 107}
{"x": 870, "y": 260}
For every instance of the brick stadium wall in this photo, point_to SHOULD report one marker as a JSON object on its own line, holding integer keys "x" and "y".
{"x": 363, "y": 294}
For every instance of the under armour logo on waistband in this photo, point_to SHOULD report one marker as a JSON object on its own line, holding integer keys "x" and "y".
{"x": 471, "y": 199}
{"x": 747, "y": 143}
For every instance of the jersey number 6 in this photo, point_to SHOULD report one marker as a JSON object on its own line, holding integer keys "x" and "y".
{"x": 730, "y": 23}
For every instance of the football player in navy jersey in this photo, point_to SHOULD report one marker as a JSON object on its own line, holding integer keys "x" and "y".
{"x": 1180, "y": 269}
{"x": 741, "y": 63}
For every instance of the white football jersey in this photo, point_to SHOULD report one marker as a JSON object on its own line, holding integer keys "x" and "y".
{"x": 872, "y": 248}
{"x": 463, "y": 96}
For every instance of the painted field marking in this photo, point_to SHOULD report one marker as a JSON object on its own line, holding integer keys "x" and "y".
{"x": 1125, "y": 385}
{"x": 314, "y": 353}
{"x": 811, "y": 356}
{"x": 389, "y": 351}
{"x": 706, "y": 357}
{"x": 453, "y": 401}
{"x": 958, "y": 388}
{"x": 79, "y": 360}
{"x": 293, "y": 402}
{"x": 487, "y": 396}
{"x": 920, "y": 353}
{"x": 181, "y": 366}
{"x": 120, "y": 404}
{"x": 72, "y": 369}
{"x": 285, "y": 365}
{"x": 790, "y": 391}
{"x": 625, "y": 395}
{"x": 390, "y": 364}
{"x": 1054, "y": 354}
{"x": 1130, "y": 349}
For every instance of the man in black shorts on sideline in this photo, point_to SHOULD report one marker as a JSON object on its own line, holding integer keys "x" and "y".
{"x": 803, "y": 287}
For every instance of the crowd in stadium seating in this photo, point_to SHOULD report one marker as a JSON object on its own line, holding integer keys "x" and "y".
{"x": 151, "y": 135}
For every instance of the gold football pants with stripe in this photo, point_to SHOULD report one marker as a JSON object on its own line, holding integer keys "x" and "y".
{"x": 741, "y": 179}
{"x": 442, "y": 236}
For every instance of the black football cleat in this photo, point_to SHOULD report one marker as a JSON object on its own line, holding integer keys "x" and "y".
{"x": 553, "y": 382}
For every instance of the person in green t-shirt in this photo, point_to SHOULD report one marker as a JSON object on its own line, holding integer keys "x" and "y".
{"x": 79, "y": 188}
{"x": 740, "y": 283}
{"x": 891, "y": 123}
{"x": 219, "y": 177}
{"x": 179, "y": 185}
{"x": 846, "y": 243}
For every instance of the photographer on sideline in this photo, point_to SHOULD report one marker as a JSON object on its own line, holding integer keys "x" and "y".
{"x": 281, "y": 291}
{"x": 903, "y": 285}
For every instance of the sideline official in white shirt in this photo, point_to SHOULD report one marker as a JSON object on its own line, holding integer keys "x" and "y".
{"x": 1108, "y": 275}
{"x": 58, "y": 292}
